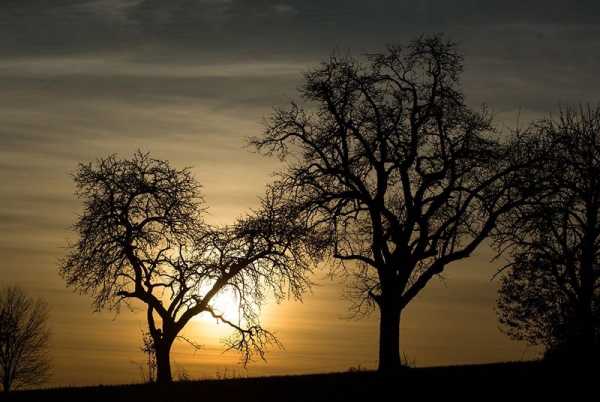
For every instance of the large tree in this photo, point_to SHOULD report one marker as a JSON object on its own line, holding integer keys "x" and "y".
{"x": 550, "y": 294}
{"x": 142, "y": 237}
{"x": 24, "y": 336}
{"x": 393, "y": 168}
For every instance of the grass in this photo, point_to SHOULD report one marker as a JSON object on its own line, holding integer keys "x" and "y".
{"x": 464, "y": 381}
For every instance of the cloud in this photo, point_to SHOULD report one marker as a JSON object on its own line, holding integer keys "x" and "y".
{"x": 269, "y": 27}
{"x": 127, "y": 67}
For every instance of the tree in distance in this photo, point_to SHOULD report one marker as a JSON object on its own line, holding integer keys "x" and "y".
{"x": 148, "y": 368}
{"x": 392, "y": 168}
{"x": 550, "y": 295}
{"x": 24, "y": 336}
{"x": 142, "y": 237}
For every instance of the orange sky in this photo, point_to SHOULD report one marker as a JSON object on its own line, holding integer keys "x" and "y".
{"x": 452, "y": 322}
{"x": 189, "y": 82}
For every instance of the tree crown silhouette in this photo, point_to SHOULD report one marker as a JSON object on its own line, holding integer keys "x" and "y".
{"x": 395, "y": 170}
{"x": 142, "y": 237}
{"x": 551, "y": 293}
{"x": 24, "y": 337}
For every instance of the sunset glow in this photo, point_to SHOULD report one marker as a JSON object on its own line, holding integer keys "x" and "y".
{"x": 192, "y": 83}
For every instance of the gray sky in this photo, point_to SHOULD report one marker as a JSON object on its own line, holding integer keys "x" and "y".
{"x": 189, "y": 81}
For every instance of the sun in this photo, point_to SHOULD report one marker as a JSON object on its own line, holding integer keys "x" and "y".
{"x": 227, "y": 303}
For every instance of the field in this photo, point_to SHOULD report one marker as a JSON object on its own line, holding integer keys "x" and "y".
{"x": 472, "y": 381}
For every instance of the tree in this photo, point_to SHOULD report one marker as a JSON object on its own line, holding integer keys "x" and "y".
{"x": 24, "y": 339}
{"x": 149, "y": 373}
{"x": 395, "y": 170}
{"x": 551, "y": 293}
{"x": 142, "y": 237}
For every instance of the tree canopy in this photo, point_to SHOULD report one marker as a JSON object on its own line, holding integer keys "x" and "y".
{"x": 392, "y": 167}
{"x": 551, "y": 292}
{"x": 142, "y": 237}
{"x": 24, "y": 339}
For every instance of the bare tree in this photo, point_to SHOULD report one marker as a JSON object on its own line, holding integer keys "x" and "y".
{"x": 551, "y": 293}
{"x": 149, "y": 373}
{"x": 24, "y": 336}
{"x": 395, "y": 170}
{"x": 141, "y": 237}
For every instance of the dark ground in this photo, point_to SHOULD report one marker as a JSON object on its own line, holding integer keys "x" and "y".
{"x": 480, "y": 382}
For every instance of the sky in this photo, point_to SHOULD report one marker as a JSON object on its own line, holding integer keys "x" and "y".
{"x": 190, "y": 81}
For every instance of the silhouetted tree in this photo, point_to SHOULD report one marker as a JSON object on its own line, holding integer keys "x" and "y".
{"x": 551, "y": 294}
{"x": 395, "y": 170}
{"x": 141, "y": 236}
{"x": 24, "y": 339}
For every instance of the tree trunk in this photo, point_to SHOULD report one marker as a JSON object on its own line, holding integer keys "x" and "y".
{"x": 163, "y": 362}
{"x": 586, "y": 346}
{"x": 6, "y": 383}
{"x": 586, "y": 352}
{"x": 589, "y": 331}
{"x": 389, "y": 338}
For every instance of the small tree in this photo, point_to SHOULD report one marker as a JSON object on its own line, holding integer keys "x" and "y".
{"x": 551, "y": 293}
{"x": 141, "y": 237}
{"x": 395, "y": 170}
{"x": 24, "y": 338}
{"x": 150, "y": 351}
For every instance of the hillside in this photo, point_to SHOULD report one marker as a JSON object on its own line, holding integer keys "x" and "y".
{"x": 511, "y": 379}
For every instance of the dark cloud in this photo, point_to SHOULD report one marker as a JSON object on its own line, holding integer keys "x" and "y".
{"x": 41, "y": 27}
{"x": 68, "y": 63}
{"x": 296, "y": 28}
{"x": 278, "y": 27}
{"x": 544, "y": 51}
